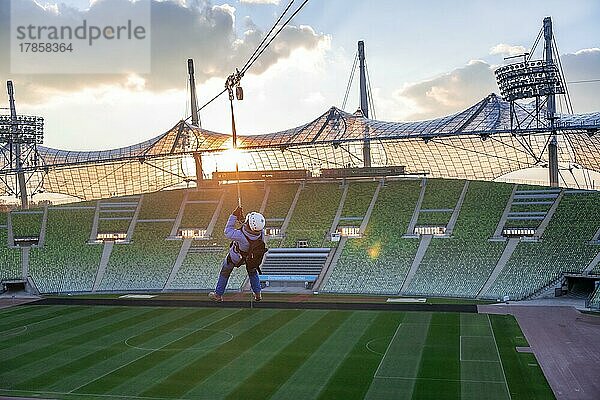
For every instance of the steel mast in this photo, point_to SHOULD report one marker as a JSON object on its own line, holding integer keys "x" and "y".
{"x": 16, "y": 146}
{"x": 551, "y": 107}
{"x": 364, "y": 103}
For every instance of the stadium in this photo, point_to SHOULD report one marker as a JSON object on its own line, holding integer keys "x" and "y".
{"x": 400, "y": 264}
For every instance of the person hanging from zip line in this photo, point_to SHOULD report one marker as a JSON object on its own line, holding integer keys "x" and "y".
{"x": 247, "y": 247}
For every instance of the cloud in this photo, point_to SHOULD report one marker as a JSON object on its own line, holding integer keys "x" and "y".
{"x": 462, "y": 87}
{"x": 583, "y": 65}
{"x": 275, "y": 2}
{"x": 447, "y": 93}
{"x": 179, "y": 30}
{"x": 315, "y": 98}
{"x": 504, "y": 49}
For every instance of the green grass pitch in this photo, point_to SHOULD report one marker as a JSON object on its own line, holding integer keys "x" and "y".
{"x": 83, "y": 352}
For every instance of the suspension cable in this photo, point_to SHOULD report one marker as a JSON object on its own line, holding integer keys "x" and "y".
{"x": 562, "y": 73}
{"x": 584, "y": 81}
{"x": 537, "y": 40}
{"x": 350, "y": 81}
{"x": 370, "y": 92}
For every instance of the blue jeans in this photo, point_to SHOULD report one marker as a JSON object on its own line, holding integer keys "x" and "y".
{"x": 226, "y": 269}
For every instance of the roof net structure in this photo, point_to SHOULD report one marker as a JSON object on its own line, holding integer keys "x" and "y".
{"x": 485, "y": 141}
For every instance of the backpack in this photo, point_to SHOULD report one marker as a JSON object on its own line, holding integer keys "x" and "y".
{"x": 255, "y": 254}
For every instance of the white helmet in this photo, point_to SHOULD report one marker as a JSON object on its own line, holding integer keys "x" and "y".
{"x": 255, "y": 221}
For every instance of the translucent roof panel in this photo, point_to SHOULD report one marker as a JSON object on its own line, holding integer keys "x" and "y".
{"x": 476, "y": 143}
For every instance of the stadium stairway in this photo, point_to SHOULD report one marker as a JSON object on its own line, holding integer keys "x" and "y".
{"x": 423, "y": 245}
{"x": 106, "y": 251}
{"x": 116, "y": 215}
{"x": 28, "y": 225}
{"x": 410, "y": 231}
{"x": 196, "y": 206}
{"x": 509, "y": 249}
{"x": 290, "y": 213}
{"x": 565, "y": 247}
{"x": 592, "y": 265}
{"x": 340, "y": 209}
{"x": 185, "y": 247}
{"x": 530, "y": 208}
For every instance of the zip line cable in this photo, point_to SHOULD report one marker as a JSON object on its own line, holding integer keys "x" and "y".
{"x": 246, "y": 66}
{"x": 258, "y": 52}
{"x": 234, "y": 139}
{"x": 233, "y": 80}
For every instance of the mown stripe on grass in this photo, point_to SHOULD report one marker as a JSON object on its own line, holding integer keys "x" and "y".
{"x": 395, "y": 376}
{"x": 112, "y": 379}
{"x": 480, "y": 368}
{"x": 36, "y": 319}
{"x": 440, "y": 362}
{"x": 261, "y": 351}
{"x": 7, "y": 311}
{"x": 266, "y": 380}
{"x": 10, "y": 315}
{"x": 183, "y": 380}
{"x": 117, "y": 353}
{"x": 46, "y": 346}
{"x": 82, "y": 356}
{"x": 352, "y": 378}
{"x": 310, "y": 379}
{"x": 247, "y": 360}
{"x": 30, "y": 335}
{"x": 24, "y": 308}
{"x": 523, "y": 374}
{"x": 51, "y": 354}
{"x": 184, "y": 358}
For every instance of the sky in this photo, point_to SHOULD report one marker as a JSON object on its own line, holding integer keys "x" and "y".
{"x": 425, "y": 59}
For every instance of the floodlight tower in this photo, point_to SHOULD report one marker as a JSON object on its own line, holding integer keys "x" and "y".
{"x": 364, "y": 103}
{"x": 15, "y": 144}
{"x": 19, "y": 160}
{"x": 541, "y": 80}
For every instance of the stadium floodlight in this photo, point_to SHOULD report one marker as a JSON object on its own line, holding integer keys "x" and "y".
{"x": 529, "y": 79}
{"x": 29, "y": 129}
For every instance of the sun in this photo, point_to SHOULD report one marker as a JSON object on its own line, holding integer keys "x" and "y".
{"x": 226, "y": 161}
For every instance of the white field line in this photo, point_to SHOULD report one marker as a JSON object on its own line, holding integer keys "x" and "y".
{"x": 229, "y": 339}
{"x": 10, "y": 334}
{"x": 499, "y": 358}
{"x": 84, "y": 395}
{"x": 387, "y": 349}
{"x": 373, "y": 340}
{"x": 29, "y": 325}
{"x": 144, "y": 355}
{"x": 435, "y": 379}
